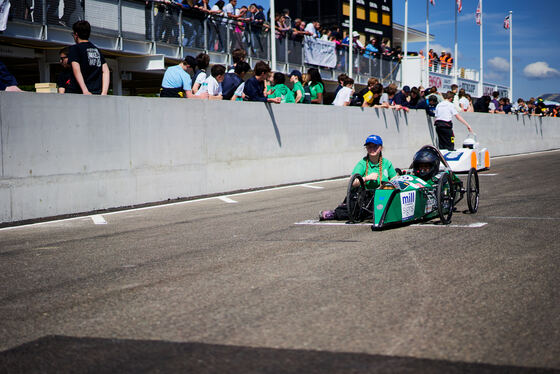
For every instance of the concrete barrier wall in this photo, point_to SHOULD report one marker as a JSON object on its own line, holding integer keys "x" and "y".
{"x": 63, "y": 154}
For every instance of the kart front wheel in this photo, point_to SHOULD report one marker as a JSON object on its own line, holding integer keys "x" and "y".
{"x": 445, "y": 199}
{"x": 473, "y": 190}
{"x": 355, "y": 198}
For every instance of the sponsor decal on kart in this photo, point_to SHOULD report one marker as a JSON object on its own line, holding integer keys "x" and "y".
{"x": 408, "y": 201}
{"x": 453, "y": 156}
{"x": 430, "y": 204}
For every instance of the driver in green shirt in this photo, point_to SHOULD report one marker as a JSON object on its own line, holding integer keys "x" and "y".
{"x": 373, "y": 168}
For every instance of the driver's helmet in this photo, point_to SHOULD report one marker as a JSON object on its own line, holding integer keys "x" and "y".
{"x": 425, "y": 164}
{"x": 469, "y": 143}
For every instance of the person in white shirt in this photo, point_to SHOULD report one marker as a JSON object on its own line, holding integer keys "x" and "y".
{"x": 344, "y": 95}
{"x": 312, "y": 28}
{"x": 212, "y": 86}
{"x": 463, "y": 101}
{"x": 444, "y": 113}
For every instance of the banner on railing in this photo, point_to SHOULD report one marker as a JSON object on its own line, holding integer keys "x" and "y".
{"x": 319, "y": 52}
{"x": 443, "y": 83}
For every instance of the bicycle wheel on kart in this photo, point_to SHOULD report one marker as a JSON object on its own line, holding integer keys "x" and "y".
{"x": 473, "y": 190}
{"x": 445, "y": 199}
{"x": 355, "y": 198}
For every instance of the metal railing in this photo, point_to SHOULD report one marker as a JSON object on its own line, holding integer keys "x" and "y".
{"x": 168, "y": 22}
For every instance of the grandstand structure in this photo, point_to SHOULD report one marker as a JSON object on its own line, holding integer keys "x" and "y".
{"x": 140, "y": 39}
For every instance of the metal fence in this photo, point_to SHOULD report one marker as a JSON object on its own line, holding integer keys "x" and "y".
{"x": 160, "y": 22}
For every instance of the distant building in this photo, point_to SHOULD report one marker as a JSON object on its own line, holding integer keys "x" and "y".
{"x": 372, "y": 17}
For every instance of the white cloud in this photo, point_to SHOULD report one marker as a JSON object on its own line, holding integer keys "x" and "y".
{"x": 540, "y": 70}
{"x": 499, "y": 64}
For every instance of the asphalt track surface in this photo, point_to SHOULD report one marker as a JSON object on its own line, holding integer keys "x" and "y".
{"x": 234, "y": 285}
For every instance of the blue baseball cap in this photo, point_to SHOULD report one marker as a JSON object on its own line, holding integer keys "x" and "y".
{"x": 374, "y": 139}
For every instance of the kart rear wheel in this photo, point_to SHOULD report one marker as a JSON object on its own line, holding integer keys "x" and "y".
{"x": 355, "y": 198}
{"x": 445, "y": 199}
{"x": 473, "y": 190}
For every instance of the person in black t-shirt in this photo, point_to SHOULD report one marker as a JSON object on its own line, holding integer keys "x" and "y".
{"x": 90, "y": 71}
{"x": 63, "y": 79}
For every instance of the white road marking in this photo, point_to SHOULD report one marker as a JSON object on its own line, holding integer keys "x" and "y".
{"x": 528, "y": 218}
{"x": 487, "y": 174}
{"x": 527, "y": 154}
{"x": 474, "y": 225}
{"x": 311, "y": 186}
{"x": 166, "y": 205}
{"x": 330, "y": 223}
{"x": 226, "y": 199}
{"x": 98, "y": 219}
{"x": 341, "y": 223}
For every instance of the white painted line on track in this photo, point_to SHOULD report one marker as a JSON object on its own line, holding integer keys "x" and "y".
{"x": 487, "y": 174}
{"x": 315, "y": 222}
{"x": 311, "y": 186}
{"x": 527, "y": 218}
{"x": 527, "y": 154}
{"x": 166, "y": 205}
{"x": 226, "y": 199}
{"x": 98, "y": 219}
{"x": 474, "y": 225}
{"x": 330, "y": 223}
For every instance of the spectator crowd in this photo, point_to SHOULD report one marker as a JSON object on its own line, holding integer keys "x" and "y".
{"x": 85, "y": 71}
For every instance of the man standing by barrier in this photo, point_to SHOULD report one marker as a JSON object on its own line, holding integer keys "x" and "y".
{"x": 90, "y": 71}
{"x": 445, "y": 111}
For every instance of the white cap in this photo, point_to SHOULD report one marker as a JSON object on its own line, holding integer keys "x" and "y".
{"x": 355, "y": 34}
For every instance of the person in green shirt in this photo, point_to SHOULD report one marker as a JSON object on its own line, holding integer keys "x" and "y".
{"x": 316, "y": 86}
{"x": 298, "y": 91}
{"x": 280, "y": 89}
{"x": 373, "y": 168}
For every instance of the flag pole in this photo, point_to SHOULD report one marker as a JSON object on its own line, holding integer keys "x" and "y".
{"x": 405, "y": 58}
{"x": 427, "y": 52}
{"x": 455, "y": 59}
{"x": 481, "y": 73}
{"x": 272, "y": 36}
{"x": 351, "y": 41}
{"x": 510, "y": 56}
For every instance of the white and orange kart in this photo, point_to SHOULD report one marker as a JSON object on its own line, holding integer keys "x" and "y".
{"x": 471, "y": 155}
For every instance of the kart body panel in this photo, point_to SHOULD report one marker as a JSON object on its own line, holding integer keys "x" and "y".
{"x": 411, "y": 200}
{"x": 471, "y": 155}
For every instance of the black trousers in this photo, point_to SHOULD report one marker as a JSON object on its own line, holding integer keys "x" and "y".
{"x": 446, "y": 138}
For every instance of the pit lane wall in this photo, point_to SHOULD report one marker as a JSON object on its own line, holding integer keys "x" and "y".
{"x": 64, "y": 154}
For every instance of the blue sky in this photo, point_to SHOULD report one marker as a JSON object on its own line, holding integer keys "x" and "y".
{"x": 536, "y": 39}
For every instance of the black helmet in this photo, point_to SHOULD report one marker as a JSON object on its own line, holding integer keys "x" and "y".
{"x": 426, "y": 156}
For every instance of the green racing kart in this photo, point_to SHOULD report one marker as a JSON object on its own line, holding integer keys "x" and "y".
{"x": 408, "y": 198}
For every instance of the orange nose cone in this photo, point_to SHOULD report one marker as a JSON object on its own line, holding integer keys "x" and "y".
{"x": 473, "y": 160}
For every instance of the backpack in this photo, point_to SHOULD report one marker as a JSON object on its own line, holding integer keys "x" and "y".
{"x": 306, "y": 95}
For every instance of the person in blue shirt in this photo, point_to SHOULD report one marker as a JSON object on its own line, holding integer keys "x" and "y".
{"x": 254, "y": 87}
{"x": 371, "y": 50}
{"x": 7, "y": 81}
{"x": 177, "y": 81}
